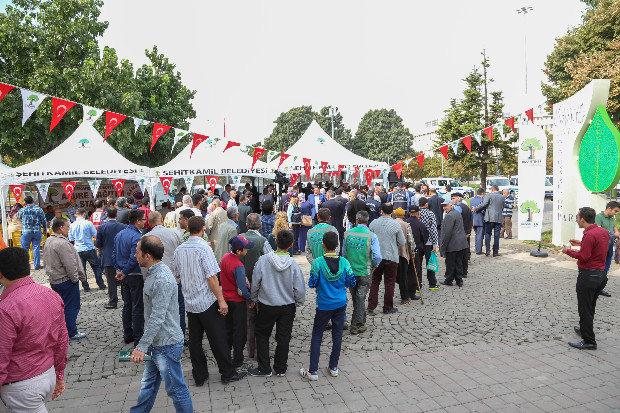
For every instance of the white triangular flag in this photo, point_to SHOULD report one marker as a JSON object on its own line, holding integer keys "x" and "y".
{"x": 478, "y": 136}
{"x": 271, "y": 155}
{"x": 142, "y": 183}
{"x": 455, "y": 146}
{"x": 188, "y": 181}
{"x": 94, "y": 186}
{"x": 178, "y": 135}
{"x": 408, "y": 161}
{"x": 42, "y": 188}
{"x": 237, "y": 181}
{"x": 385, "y": 178}
{"x": 91, "y": 114}
{"x": 31, "y": 100}
{"x": 500, "y": 129}
{"x": 139, "y": 122}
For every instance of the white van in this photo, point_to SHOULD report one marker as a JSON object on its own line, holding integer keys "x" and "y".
{"x": 440, "y": 183}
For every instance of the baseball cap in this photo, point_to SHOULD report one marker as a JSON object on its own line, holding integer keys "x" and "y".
{"x": 414, "y": 208}
{"x": 447, "y": 202}
{"x": 240, "y": 242}
{"x": 399, "y": 212}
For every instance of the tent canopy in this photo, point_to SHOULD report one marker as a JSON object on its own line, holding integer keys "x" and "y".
{"x": 84, "y": 154}
{"x": 318, "y": 146}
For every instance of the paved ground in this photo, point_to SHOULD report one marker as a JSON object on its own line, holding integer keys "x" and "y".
{"x": 497, "y": 344}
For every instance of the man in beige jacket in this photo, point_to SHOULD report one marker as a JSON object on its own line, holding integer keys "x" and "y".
{"x": 214, "y": 219}
{"x": 64, "y": 269}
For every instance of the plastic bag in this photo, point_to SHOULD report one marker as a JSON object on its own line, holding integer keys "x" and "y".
{"x": 433, "y": 264}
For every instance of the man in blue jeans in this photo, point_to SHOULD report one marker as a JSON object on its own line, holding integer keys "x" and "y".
{"x": 606, "y": 220}
{"x": 162, "y": 333}
{"x": 33, "y": 220}
{"x": 82, "y": 232}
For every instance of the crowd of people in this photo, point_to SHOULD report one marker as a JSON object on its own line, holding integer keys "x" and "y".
{"x": 224, "y": 265}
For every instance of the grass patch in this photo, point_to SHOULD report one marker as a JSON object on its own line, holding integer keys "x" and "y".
{"x": 546, "y": 240}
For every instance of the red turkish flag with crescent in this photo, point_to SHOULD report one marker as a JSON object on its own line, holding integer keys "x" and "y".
{"x": 59, "y": 108}
{"x": 112, "y": 120}
{"x": 489, "y": 132}
{"x": 357, "y": 170}
{"x": 340, "y": 168}
{"x": 420, "y": 159}
{"x": 444, "y": 151}
{"x": 530, "y": 114}
{"x": 283, "y": 157}
{"x": 118, "y": 185}
{"x": 307, "y": 167}
{"x": 4, "y": 89}
{"x": 198, "y": 139}
{"x": 294, "y": 178}
{"x": 369, "y": 175}
{"x": 212, "y": 180}
{"x": 377, "y": 173}
{"x": 158, "y": 130}
{"x": 166, "y": 181}
{"x": 257, "y": 154}
{"x": 398, "y": 168}
{"x": 467, "y": 142}
{"x": 17, "y": 191}
{"x": 230, "y": 144}
{"x": 69, "y": 187}
{"x": 324, "y": 167}
{"x": 511, "y": 122}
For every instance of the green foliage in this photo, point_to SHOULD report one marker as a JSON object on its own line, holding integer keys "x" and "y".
{"x": 51, "y": 47}
{"x": 382, "y": 137}
{"x": 531, "y": 143}
{"x": 529, "y": 206}
{"x": 473, "y": 112}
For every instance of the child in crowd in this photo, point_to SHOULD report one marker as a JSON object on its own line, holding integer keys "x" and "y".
{"x": 330, "y": 275}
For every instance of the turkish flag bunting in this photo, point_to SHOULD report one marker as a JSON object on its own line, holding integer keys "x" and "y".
{"x": 17, "y": 191}
{"x": 340, "y": 168}
{"x": 118, "y": 185}
{"x": 530, "y": 114}
{"x": 511, "y": 122}
{"x": 59, "y": 108}
{"x": 257, "y": 154}
{"x": 230, "y": 144}
{"x": 283, "y": 157}
{"x": 212, "y": 180}
{"x": 324, "y": 167}
{"x": 294, "y": 178}
{"x": 165, "y": 182}
{"x": 307, "y": 167}
{"x": 398, "y": 168}
{"x": 4, "y": 89}
{"x": 489, "y": 132}
{"x": 467, "y": 142}
{"x": 357, "y": 170}
{"x": 69, "y": 187}
{"x": 369, "y": 175}
{"x": 444, "y": 151}
{"x": 420, "y": 159}
{"x": 112, "y": 120}
{"x": 198, "y": 139}
{"x": 158, "y": 130}
{"x": 377, "y": 173}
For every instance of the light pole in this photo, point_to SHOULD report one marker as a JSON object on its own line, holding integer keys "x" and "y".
{"x": 525, "y": 10}
{"x": 333, "y": 111}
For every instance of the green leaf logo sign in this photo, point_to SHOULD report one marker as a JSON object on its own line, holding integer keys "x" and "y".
{"x": 599, "y": 154}
{"x": 530, "y": 208}
{"x": 91, "y": 113}
{"x": 83, "y": 142}
{"x": 531, "y": 145}
{"x": 320, "y": 140}
{"x": 31, "y": 99}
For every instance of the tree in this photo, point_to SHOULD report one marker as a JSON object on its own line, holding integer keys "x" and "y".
{"x": 473, "y": 113}
{"x": 530, "y": 208}
{"x": 382, "y": 137}
{"x": 51, "y": 47}
{"x": 590, "y": 51}
{"x": 341, "y": 134}
{"x": 531, "y": 145}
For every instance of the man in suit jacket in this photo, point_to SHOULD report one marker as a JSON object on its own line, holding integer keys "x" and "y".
{"x": 123, "y": 209}
{"x": 494, "y": 204}
{"x": 316, "y": 199}
{"x": 244, "y": 211}
{"x": 336, "y": 208}
{"x": 468, "y": 223}
{"x": 453, "y": 243}
{"x": 434, "y": 204}
{"x": 105, "y": 242}
{"x": 478, "y": 220}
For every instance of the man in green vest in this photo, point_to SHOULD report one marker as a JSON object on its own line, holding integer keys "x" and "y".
{"x": 361, "y": 248}
{"x": 314, "y": 244}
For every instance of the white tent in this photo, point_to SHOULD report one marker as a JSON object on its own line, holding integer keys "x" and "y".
{"x": 318, "y": 146}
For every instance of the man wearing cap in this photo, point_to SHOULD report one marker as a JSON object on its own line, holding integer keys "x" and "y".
{"x": 314, "y": 243}
{"x": 420, "y": 238}
{"x": 316, "y": 199}
{"x": 453, "y": 243}
{"x": 400, "y": 198}
{"x": 406, "y": 282}
{"x": 432, "y": 244}
{"x": 468, "y": 221}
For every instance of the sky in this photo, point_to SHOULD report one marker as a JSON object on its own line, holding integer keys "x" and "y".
{"x": 251, "y": 60}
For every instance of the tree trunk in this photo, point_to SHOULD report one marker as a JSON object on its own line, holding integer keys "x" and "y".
{"x": 483, "y": 174}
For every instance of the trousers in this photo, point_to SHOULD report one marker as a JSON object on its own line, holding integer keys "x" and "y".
{"x": 251, "y": 335}
{"x": 34, "y": 238}
{"x": 133, "y": 307}
{"x": 321, "y": 318}
{"x": 70, "y": 294}
{"x": 390, "y": 269}
{"x": 430, "y": 275}
{"x": 110, "y": 277}
{"x": 589, "y": 285}
{"x": 506, "y": 227}
{"x": 479, "y": 239}
{"x": 406, "y": 281}
{"x": 492, "y": 227}
{"x": 236, "y": 329}
{"x": 282, "y": 317}
{"x": 358, "y": 297}
{"x": 90, "y": 256}
{"x": 454, "y": 267}
{"x": 28, "y": 395}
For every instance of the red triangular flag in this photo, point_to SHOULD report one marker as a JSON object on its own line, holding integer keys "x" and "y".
{"x": 294, "y": 178}
{"x": 4, "y": 89}
{"x": 69, "y": 187}
{"x": 489, "y": 132}
{"x": 158, "y": 130}
{"x": 511, "y": 122}
{"x": 340, "y": 168}
{"x": 112, "y": 120}
{"x": 229, "y": 145}
{"x": 257, "y": 154}
{"x": 467, "y": 142}
{"x": 324, "y": 167}
{"x": 59, "y": 108}
{"x": 398, "y": 168}
{"x": 118, "y": 185}
{"x": 307, "y": 167}
{"x": 198, "y": 139}
{"x": 369, "y": 175}
{"x": 357, "y": 170}
{"x": 17, "y": 191}
{"x": 283, "y": 157}
{"x": 530, "y": 115}
{"x": 165, "y": 182}
{"x": 212, "y": 180}
{"x": 444, "y": 151}
{"x": 420, "y": 159}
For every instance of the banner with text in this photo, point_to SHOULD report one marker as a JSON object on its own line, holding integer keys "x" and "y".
{"x": 532, "y": 177}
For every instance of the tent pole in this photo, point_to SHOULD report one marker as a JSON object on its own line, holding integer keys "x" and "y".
{"x": 4, "y": 190}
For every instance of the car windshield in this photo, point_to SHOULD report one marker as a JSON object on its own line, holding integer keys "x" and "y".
{"x": 498, "y": 182}
{"x": 454, "y": 183}
{"x": 442, "y": 182}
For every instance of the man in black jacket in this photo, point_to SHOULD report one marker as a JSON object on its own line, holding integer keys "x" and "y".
{"x": 420, "y": 236}
{"x": 468, "y": 223}
{"x": 434, "y": 204}
{"x": 374, "y": 206}
{"x": 336, "y": 208}
{"x": 355, "y": 206}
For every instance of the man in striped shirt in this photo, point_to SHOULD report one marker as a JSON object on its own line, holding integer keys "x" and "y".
{"x": 509, "y": 205}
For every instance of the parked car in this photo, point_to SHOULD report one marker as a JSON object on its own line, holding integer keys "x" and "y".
{"x": 514, "y": 182}
{"x": 502, "y": 182}
{"x": 440, "y": 183}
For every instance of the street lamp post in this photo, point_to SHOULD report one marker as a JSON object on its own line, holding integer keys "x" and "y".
{"x": 333, "y": 111}
{"x": 525, "y": 10}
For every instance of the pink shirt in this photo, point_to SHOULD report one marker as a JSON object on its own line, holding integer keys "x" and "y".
{"x": 33, "y": 333}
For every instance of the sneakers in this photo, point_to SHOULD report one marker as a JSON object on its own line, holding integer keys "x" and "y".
{"x": 235, "y": 377}
{"x": 244, "y": 367}
{"x": 281, "y": 375}
{"x": 333, "y": 371}
{"x": 390, "y": 311}
{"x": 306, "y": 374}
{"x": 434, "y": 287}
{"x": 255, "y": 372}
{"x": 358, "y": 330}
{"x": 78, "y": 336}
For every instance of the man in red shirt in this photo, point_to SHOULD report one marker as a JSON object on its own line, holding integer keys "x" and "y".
{"x": 592, "y": 277}
{"x": 146, "y": 202}
{"x": 236, "y": 291}
{"x": 33, "y": 337}
{"x": 99, "y": 216}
